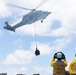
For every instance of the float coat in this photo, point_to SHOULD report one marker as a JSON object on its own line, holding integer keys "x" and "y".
{"x": 72, "y": 68}
{"x": 58, "y": 66}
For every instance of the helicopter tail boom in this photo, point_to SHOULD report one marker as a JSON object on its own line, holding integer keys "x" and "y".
{"x": 8, "y": 27}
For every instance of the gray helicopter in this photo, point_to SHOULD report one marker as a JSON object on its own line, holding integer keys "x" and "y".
{"x": 31, "y": 17}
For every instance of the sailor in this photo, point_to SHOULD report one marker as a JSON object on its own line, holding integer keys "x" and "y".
{"x": 59, "y": 63}
{"x": 72, "y": 67}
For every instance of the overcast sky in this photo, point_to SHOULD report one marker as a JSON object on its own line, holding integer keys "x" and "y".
{"x": 56, "y": 33}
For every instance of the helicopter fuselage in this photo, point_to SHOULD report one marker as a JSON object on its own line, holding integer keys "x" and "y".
{"x": 35, "y": 16}
{"x": 32, "y": 17}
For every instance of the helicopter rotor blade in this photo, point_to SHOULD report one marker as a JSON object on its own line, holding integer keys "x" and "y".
{"x": 41, "y": 4}
{"x": 18, "y": 7}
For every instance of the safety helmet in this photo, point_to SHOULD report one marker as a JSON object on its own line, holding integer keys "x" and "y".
{"x": 59, "y": 55}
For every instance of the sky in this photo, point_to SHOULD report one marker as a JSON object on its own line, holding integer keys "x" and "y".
{"x": 56, "y": 33}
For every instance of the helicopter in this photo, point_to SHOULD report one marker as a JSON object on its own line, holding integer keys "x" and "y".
{"x": 29, "y": 18}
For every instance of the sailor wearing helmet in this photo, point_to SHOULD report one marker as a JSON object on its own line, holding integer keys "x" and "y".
{"x": 59, "y": 63}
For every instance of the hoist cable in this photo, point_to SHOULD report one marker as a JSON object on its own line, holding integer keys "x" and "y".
{"x": 35, "y": 35}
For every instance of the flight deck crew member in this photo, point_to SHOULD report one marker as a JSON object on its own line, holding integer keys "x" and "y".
{"x": 59, "y": 63}
{"x": 72, "y": 67}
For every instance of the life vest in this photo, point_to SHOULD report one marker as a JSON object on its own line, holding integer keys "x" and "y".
{"x": 72, "y": 67}
{"x": 58, "y": 66}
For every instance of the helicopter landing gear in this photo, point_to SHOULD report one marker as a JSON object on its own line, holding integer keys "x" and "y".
{"x": 14, "y": 30}
{"x": 41, "y": 21}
